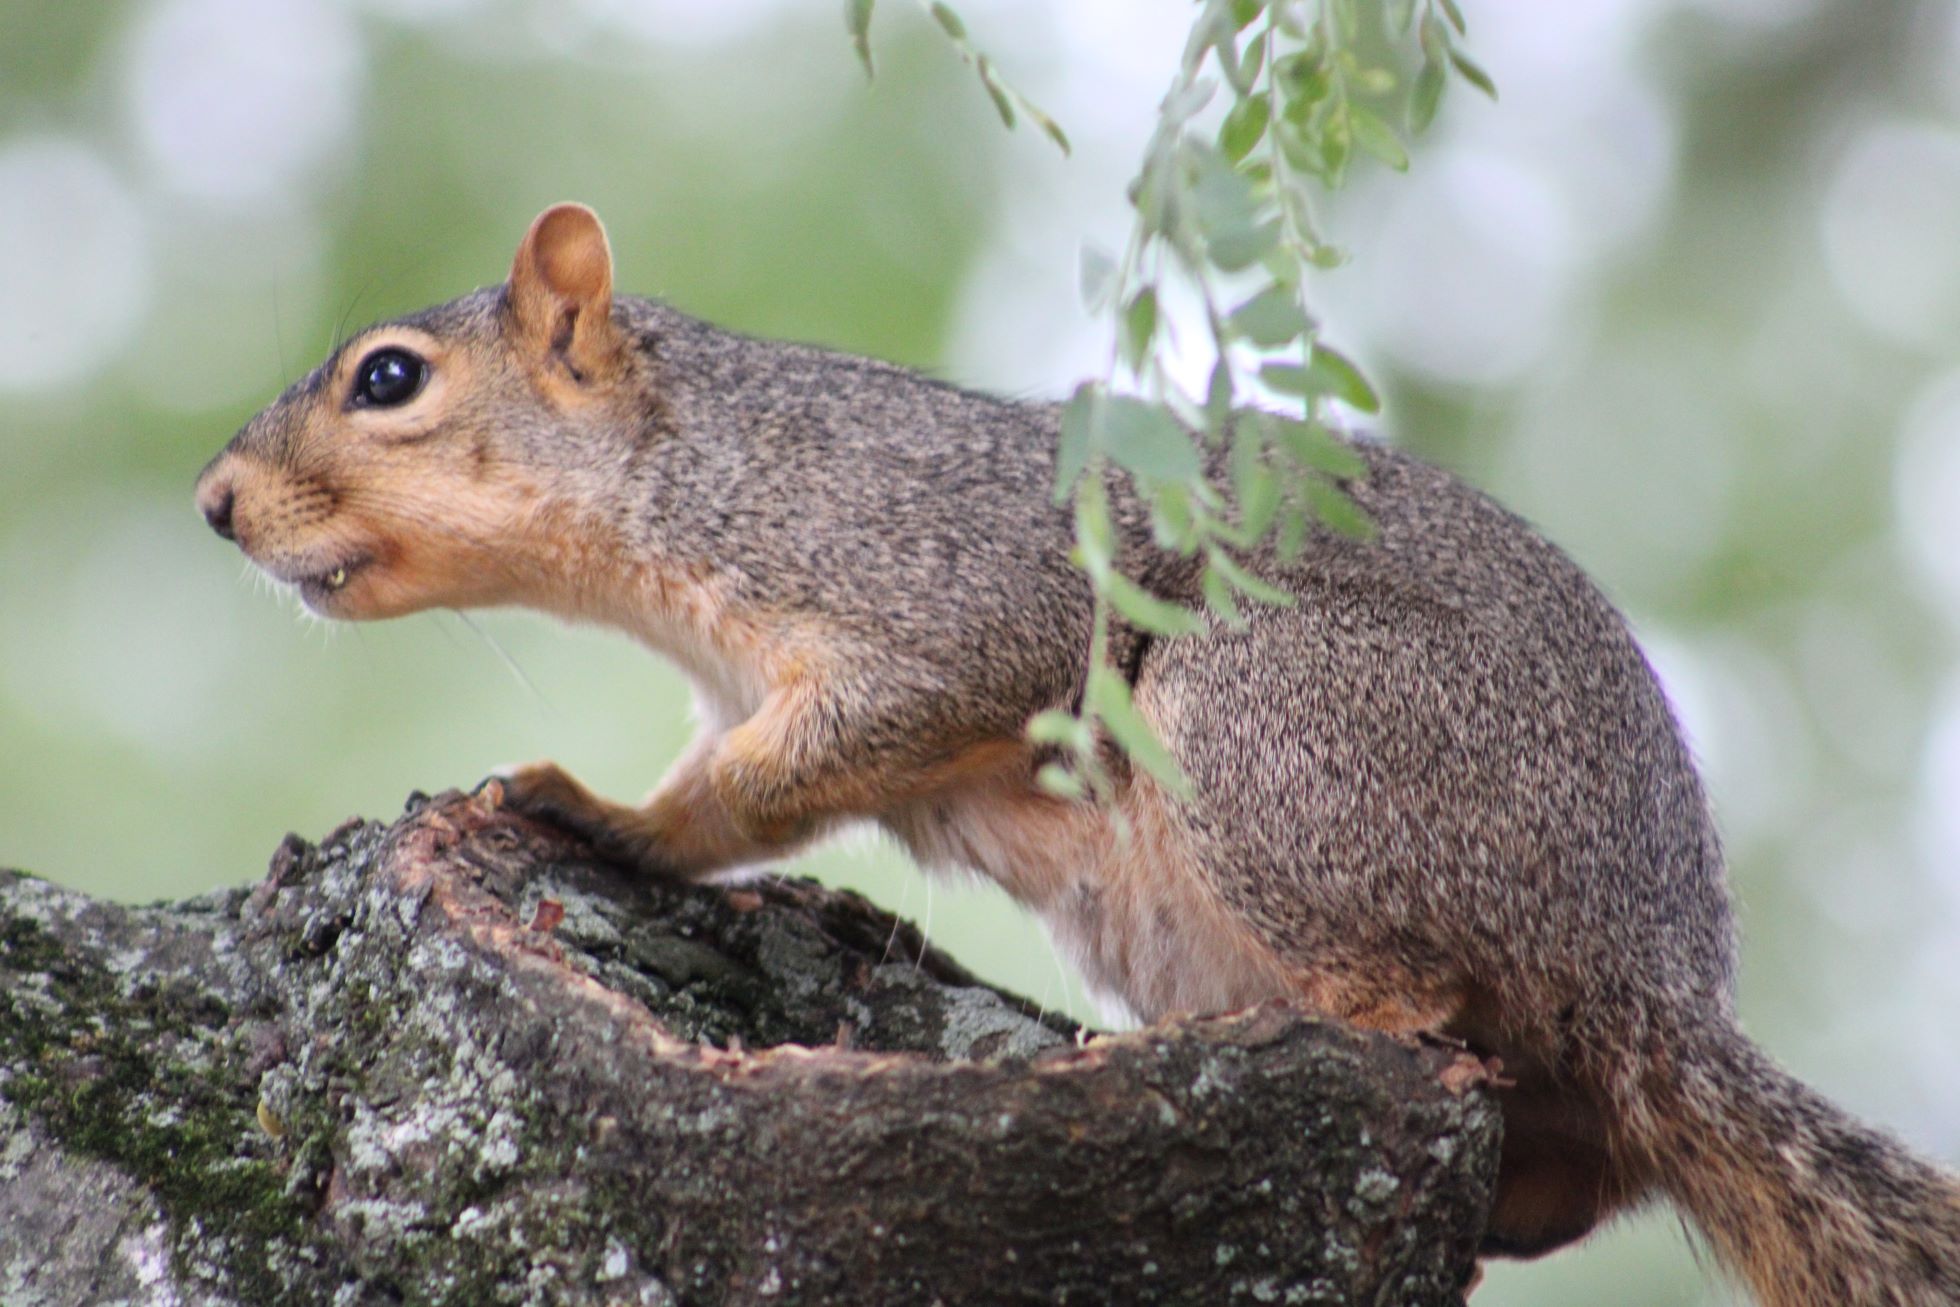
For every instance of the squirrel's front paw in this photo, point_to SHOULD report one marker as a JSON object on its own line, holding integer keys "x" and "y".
{"x": 547, "y": 792}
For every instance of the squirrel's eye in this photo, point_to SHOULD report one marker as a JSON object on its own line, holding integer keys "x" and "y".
{"x": 389, "y": 377}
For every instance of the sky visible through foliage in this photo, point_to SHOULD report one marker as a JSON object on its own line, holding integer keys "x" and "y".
{"x": 1687, "y": 297}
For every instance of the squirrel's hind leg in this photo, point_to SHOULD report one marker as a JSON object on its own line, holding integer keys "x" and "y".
{"x": 1556, "y": 1179}
{"x": 1562, "y": 1170}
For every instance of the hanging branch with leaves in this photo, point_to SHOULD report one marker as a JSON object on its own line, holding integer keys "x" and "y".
{"x": 1008, "y": 102}
{"x": 1272, "y": 101}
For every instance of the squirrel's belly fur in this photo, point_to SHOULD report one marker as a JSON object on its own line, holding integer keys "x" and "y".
{"x": 1117, "y": 889}
{"x": 1441, "y": 790}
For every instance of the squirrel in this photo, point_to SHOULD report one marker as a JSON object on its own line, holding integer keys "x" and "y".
{"x": 1441, "y": 792}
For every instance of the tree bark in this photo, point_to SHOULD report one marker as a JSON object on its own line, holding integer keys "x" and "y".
{"x": 457, "y": 1059}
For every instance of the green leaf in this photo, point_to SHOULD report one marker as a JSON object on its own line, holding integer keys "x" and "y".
{"x": 1218, "y": 396}
{"x": 1264, "y": 591}
{"x": 1428, "y": 94}
{"x": 1244, "y": 126}
{"x": 1108, "y": 698}
{"x": 1473, "y": 73}
{"x": 1455, "y": 16}
{"x": 1171, "y": 519}
{"x": 1222, "y": 198}
{"x": 1292, "y": 533}
{"x": 1146, "y": 440}
{"x": 1327, "y": 256}
{"x": 1098, "y": 278}
{"x": 1049, "y": 127}
{"x": 1328, "y": 372}
{"x": 1286, "y": 378}
{"x": 1236, "y": 248}
{"x": 1147, "y": 611}
{"x": 949, "y": 20}
{"x": 1435, "y": 40}
{"x": 1213, "y": 28}
{"x": 1313, "y": 446}
{"x": 1378, "y": 139}
{"x": 1336, "y": 145}
{"x": 1270, "y": 318}
{"x": 1260, "y": 506}
{"x": 1003, "y": 102}
{"x": 1189, "y": 413}
{"x": 1146, "y": 195}
{"x": 1244, "y": 11}
{"x": 1248, "y": 451}
{"x": 1259, "y": 500}
{"x": 1331, "y": 505}
{"x": 1300, "y": 149}
{"x": 1255, "y": 58}
{"x": 1062, "y": 730}
{"x": 1060, "y": 781}
{"x": 1304, "y": 81}
{"x": 1220, "y": 599}
{"x": 1226, "y": 50}
{"x": 857, "y": 20}
{"x": 1296, "y": 202}
{"x": 1331, "y": 372}
{"x": 1095, "y": 538}
{"x": 1181, "y": 104}
{"x": 1139, "y": 327}
{"x": 1081, "y": 425}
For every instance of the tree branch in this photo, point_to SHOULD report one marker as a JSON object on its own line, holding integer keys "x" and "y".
{"x": 457, "y": 1060}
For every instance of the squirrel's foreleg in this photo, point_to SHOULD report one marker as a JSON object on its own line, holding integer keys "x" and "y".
{"x": 816, "y": 752}
{"x": 832, "y": 746}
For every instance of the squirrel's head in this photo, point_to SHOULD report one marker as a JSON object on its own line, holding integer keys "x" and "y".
{"x": 410, "y": 469}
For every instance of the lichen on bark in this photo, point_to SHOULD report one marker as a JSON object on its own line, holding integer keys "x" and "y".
{"x": 457, "y": 1059}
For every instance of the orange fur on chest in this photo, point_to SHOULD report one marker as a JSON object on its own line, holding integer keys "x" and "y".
{"x": 585, "y": 571}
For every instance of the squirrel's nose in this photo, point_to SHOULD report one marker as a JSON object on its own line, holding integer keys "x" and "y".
{"x": 215, "y": 502}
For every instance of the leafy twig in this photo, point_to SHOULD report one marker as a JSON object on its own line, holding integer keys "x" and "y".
{"x": 1233, "y": 221}
{"x": 1009, "y": 102}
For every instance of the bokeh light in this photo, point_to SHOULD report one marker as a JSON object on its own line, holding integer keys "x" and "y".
{"x": 242, "y": 102}
{"x": 1889, "y": 221}
{"x": 1477, "y": 257}
{"x": 74, "y": 271}
{"x": 1928, "y": 487}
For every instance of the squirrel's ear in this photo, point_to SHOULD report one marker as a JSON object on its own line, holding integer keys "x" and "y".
{"x": 561, "y": 289}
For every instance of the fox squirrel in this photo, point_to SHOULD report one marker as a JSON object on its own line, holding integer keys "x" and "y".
{"x": 1442, "y": 792}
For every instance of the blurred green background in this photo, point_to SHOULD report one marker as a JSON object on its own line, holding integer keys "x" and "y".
{"x": 1689, "y": 298}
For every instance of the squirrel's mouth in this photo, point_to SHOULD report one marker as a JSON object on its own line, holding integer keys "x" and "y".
{"x": 319, "y": 586}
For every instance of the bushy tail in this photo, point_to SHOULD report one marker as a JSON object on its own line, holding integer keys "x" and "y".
{"x": 1807, "y": 1205}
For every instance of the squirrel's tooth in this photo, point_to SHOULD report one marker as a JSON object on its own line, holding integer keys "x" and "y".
{"x": 336, "y": 578}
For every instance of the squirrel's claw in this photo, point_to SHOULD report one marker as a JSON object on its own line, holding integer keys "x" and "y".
{"x": 546, "y": 791}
